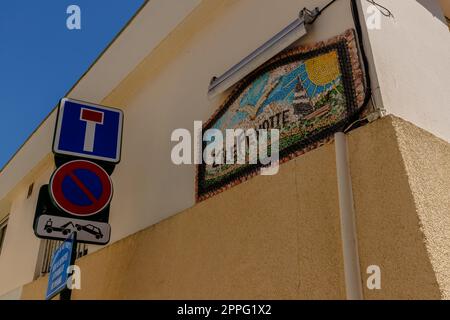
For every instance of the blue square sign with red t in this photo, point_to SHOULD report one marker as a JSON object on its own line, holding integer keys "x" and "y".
{"x": 89, "y": 131}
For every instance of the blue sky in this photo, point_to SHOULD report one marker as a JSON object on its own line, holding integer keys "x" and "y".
{"x": 41, "y": 59}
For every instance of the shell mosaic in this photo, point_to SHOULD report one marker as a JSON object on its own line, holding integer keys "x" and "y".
{"x": 308, "y": 93}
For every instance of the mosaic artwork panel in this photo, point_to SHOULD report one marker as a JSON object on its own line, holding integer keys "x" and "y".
{"x": 308, "y": 93}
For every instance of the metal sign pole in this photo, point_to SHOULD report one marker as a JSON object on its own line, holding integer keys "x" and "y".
{"x": 66, "y": 294}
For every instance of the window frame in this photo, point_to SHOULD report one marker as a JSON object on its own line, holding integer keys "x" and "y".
{"x": 3, "y": 228}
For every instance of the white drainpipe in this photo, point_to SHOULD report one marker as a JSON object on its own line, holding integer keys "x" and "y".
{"x": 353, "y": 283}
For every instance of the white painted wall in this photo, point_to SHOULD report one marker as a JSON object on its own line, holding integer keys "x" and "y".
{"x": 20, "y": 248}
{"x": 12, "y": 295}
{"x": 157, "y": 19}
{"x": 412, "y": 59}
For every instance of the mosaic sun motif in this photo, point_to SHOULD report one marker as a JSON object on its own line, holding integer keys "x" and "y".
{"x": 306, "y": 93}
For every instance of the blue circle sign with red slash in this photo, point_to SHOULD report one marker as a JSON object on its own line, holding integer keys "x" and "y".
{"x": 81, "y": 188}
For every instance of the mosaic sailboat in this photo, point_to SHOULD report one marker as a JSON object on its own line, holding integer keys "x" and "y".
{"x": 302, "y": 103}
{"x": 303, "y": 106}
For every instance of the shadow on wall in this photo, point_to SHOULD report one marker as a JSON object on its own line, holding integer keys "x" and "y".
{"x": 436, "y": 8}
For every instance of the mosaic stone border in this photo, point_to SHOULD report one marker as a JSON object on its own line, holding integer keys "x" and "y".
{"x": 353, "y": 78}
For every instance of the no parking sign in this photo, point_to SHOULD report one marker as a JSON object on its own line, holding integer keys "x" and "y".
{"x": 81, "y": 188}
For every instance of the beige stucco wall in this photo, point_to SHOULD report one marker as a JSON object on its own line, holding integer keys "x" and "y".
{"x": 168, "y": 90}
{"x": 269, "y": 238}
{"x": 427, "y": 162}
{"x": 389, "y": 229}
{"x": 279, "y": 237}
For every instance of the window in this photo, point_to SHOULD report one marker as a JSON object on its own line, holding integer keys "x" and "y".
{"x": 3, "y": 225}
{"x": 30, "y": 190}
{"x": 48, "y": 248}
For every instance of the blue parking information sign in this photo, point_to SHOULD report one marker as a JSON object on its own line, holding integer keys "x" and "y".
{"x": 61, "y": 260}
{"x": 89, "y": 131}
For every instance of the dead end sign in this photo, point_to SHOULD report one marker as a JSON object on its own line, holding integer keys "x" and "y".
{"x": 81, "y": 188}
{"x": 88, "y": 131}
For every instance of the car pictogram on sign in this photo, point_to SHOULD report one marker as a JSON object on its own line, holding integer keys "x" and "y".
{"x": 90, "y": 229}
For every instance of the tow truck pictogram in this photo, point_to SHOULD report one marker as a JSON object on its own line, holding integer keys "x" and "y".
{"x": 64, "y": 229}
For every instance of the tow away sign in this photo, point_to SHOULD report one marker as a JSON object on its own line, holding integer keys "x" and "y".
{"x": 55, "y": 227}
{"x": 50, "y": 222}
